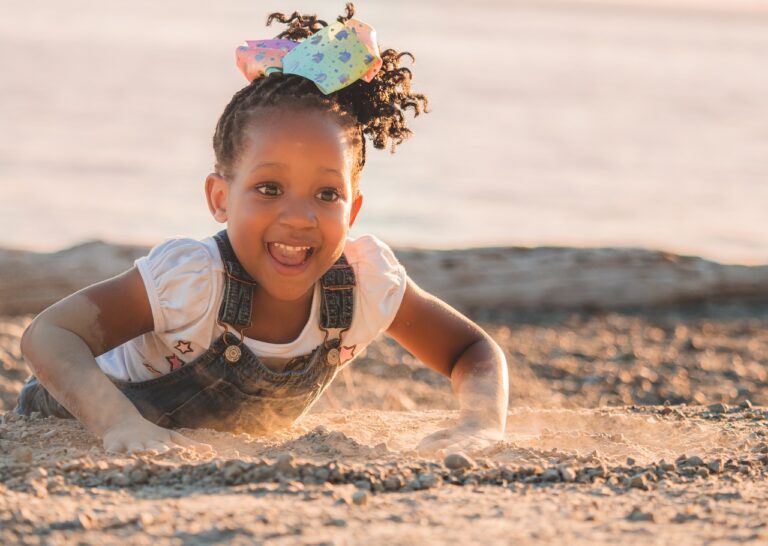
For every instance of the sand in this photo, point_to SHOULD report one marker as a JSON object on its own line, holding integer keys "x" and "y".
{"x": 592, "y": 454}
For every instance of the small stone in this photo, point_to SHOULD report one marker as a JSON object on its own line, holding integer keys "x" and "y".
{"x": 718, "y": 408}
{"x": 458, "y": 461}
{"x": 715, "y": 466}
{"x": 285, "y": 463}
{"x": 638, "y": 515}
{"x": 139, "y": 476}
{"x": 360, "y": 497}
{"x": 638, "y": 481}
{"x": 745, "y": 405}
{"x": 232, "y": 471}
{"x": 322, "y": 474}
{"x": 428, "y": 480}
{"x": 336, "y": 522}
{"x": 694, "y": 460}
{"x": 393, "y": 482}
{"x": 120, "y": 479}
{"x": 364, "y": 485}
{"x": 550, "y": 475}
{"x": 37, "y": 473}
{"x": 630, "y": 461}
{"x": 87, "y": 520}
{"x": 568, "y": 474}
{"x": 145, "y": 519}
{"x": 22, "y": 455}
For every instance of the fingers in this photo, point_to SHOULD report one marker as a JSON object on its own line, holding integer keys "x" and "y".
{"x": 134, "y": 447}
{"x": 189, "y": 442}
{"x": 113, "y": 447}
{"x": 158, "y": 447}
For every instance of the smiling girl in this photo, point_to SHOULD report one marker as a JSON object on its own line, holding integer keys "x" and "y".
{"x": 244, "y": 330}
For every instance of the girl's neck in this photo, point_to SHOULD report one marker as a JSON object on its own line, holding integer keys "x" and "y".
{"x": 278, "y": 321}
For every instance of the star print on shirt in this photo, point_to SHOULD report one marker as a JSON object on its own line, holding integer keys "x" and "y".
{"x": 175, "y": 362}
{"x": 183, "y": 347}
{"x": 347, "y": 353}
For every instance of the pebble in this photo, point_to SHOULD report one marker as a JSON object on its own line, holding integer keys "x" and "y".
{"x": 37, "y": 473}
{"x": 285, "y": 462}
{"x": 458, "y": 461}
{"x": 715, "y": 466}
{"x": 638, "y": 515}
{"x": 22, "y": 455}
{"x": 139, "y": 476}
{"x": 638, "y": 481}
{"x": 550, "y": 475}
{"x": 322, "y": 474}
{"x": 428, "y": 480}
{"x": 360, "y": 497}
{"x": 694, "y": 460}
{"x": 745, "y": 405}
{"x": 568, "y": 474}
{"x": 393, "y": 483}
{"x": 718, "y": 408}
{"x": 362, "y": 484}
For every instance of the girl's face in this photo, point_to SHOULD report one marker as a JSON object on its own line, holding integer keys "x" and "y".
{"x": 288, "y": 203}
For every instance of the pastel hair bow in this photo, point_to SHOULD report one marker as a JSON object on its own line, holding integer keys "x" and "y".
{"x": 333, "y": 57}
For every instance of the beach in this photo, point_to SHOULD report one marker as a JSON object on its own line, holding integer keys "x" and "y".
{"x": 589, "y": 187}
{"x": 631, "y": 427}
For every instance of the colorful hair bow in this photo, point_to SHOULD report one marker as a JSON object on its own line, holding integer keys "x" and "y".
{"x": 333, "y": 57}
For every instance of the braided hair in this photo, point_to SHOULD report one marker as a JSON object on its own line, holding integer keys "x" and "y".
{"x": 375, "y": 108}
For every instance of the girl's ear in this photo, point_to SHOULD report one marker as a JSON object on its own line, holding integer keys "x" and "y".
{"x": 356, "y": 204}
{"x": 216, "y": 191}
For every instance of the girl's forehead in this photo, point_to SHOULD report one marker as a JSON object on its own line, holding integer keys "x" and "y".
{"x": 302, "y": 136}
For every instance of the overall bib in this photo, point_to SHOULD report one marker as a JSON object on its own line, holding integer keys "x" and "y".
{"x": 228, "y": 387}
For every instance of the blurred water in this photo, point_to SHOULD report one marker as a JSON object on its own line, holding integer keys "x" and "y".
{"x": 559, "y": 123}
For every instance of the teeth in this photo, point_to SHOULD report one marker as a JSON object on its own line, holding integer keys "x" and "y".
{"x": 288, "y": 248}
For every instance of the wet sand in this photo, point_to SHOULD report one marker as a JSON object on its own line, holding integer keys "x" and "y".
{"x": 592, "y": 454}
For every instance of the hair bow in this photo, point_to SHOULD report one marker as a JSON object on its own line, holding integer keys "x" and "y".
{"x": 333, "y": 57}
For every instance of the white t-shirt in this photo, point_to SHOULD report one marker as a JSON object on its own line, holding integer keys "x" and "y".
{"x": 184, "y": 279}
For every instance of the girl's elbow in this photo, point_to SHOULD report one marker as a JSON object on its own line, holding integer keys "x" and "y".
{"x": 30, "y": 343}
{"x": 27, "y": 339}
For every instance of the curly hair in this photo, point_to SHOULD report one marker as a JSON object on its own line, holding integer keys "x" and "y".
{"x": 376, "y": 108}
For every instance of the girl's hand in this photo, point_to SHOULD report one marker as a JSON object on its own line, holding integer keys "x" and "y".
{"x": 462, "y": 437}
{"x": 135, "y": 434}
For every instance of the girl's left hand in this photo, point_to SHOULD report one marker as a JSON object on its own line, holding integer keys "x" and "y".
{"x": 462, "y": 437}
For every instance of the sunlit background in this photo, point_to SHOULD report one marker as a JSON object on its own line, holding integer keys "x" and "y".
{"x": 553, "y": 123}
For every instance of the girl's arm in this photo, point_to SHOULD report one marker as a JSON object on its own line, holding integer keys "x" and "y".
{"x": 448, "y": 342}
{"x": 61, "y": 343}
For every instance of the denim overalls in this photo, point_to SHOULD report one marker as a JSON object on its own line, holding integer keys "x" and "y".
{"x": 228, "y": 387}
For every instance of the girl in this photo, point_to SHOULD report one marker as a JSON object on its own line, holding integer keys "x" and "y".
{"x": 244, "y": 330}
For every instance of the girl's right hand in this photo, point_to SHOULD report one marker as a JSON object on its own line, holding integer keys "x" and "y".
{"x": 135, "y": 434}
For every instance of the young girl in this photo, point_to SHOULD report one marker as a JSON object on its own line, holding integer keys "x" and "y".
{"x": 244, "y": 330}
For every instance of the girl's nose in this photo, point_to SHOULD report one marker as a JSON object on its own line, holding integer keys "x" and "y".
{"x": 298, "y": 213}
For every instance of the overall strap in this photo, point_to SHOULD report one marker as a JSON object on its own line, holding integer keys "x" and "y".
{"x": 235, "y": 306}
{"x": 338, "y": 285}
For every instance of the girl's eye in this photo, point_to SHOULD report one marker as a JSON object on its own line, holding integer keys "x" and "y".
{"x": 269, "y": 189}
{"x": 328, "y": 194}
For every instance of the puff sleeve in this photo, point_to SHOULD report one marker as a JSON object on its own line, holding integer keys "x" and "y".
{"x": 381, "y": 281}
{"x": 178, "y": 276}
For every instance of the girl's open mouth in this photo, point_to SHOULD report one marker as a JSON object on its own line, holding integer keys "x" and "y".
{"x": 289, "y": 255}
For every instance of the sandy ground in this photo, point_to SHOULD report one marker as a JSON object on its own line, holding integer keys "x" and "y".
{"x": 592, "y": 454}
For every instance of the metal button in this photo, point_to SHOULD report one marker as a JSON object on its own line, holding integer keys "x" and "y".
{"x": 232, "y": 354}
{"x": 333, "y": 358}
